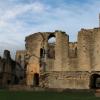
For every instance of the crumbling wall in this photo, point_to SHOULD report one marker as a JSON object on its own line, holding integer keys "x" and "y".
{"x": 7, "y": 69}
{"x": 21, "y": 64}
{"x": 55, "y": 56}
{"x": 50, "y": 57}
{"x": 84, "y": 48}
{"x": 33, "y": 45}
{"x": 72, "y": 55}
{"x": 67, "y": 80}
{"x": 65, "y": 64}
{"x": 39, "y": 42}
{"x": 96, "y": 50}
{"x": 72, "y": 50}
{"x": 61, "y": 51}
{"x": 88, "y": 49}
{"x": 20, "y": 57}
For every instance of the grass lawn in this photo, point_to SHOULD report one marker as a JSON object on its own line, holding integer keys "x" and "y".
{"x": 25, "y": 95}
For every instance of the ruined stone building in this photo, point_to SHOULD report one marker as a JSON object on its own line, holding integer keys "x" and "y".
{"x": 20, "y": 59}
{"x": 62, "y": 64}
{"x": 9, "y": 70}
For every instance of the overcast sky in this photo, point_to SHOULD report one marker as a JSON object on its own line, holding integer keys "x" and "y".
{"x": 19, "y": 18}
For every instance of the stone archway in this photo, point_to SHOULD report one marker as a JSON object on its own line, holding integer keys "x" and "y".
{"x": 95, "y": 81}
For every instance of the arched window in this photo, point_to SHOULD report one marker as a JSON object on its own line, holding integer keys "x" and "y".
{"x": 52, "y": 39}
{"x": 51, "y": 46}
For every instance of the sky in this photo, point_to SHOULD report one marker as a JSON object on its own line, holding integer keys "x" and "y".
{"x": 20, "y": 18}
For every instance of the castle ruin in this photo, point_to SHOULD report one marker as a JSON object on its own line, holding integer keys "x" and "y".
{"x": 63, "y": 64}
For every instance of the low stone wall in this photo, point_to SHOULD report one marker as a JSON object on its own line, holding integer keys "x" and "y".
{"x": 66, "y": 80}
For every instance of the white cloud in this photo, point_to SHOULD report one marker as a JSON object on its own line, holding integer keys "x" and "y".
{"x": 18, "y": 10}
{"x": 20, "y": 20}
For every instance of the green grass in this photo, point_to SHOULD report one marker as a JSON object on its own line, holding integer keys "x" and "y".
{"x": 25, "y": 95}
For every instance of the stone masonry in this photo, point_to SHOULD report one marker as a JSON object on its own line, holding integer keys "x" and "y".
{"x": 7, "y": 70}
{"x": 63, "y": 64}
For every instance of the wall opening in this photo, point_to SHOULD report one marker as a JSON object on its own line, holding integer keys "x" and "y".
{"x": 51, "y": 46}
{"x": 42, "y": 59}
{"x": 36, "y": 79}
{"x": 41, "y": 53}
{"x": 8, "y": 82}
{"x": 95, "y": 81}
{"x": 52, "y": 39}
{"x": 72, "y": 50}
{"x": 16, "y": 80}
{"x": 25, "y": 69}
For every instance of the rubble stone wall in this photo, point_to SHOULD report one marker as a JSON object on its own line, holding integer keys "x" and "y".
{"x": 73, "y": 62}
{"x": 66, "y": 80}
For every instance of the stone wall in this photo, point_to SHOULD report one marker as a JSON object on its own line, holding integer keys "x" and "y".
{"x": 72, "y": 50}
{"x": 20, "y": 57}
{"x": 21, "y": 65}
{"x": 66, "y": 80}
{"x": 96, "y": 50}
{"x": 63, "y": 64}
{"x": 59, "y": 57}
{"x": 7, "y": 69}
{"x": 88, "y": 49}
{"x": 33, "y": 45}
{"x": 84, "y": 61}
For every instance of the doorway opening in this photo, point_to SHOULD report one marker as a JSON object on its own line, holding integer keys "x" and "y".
{"x": 95, "y": 81}
{"x": 36, "y": 79}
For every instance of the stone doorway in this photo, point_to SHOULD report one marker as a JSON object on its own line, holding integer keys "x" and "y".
{"x": 95, "y": 81}
{"x": 36, "y": 79}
